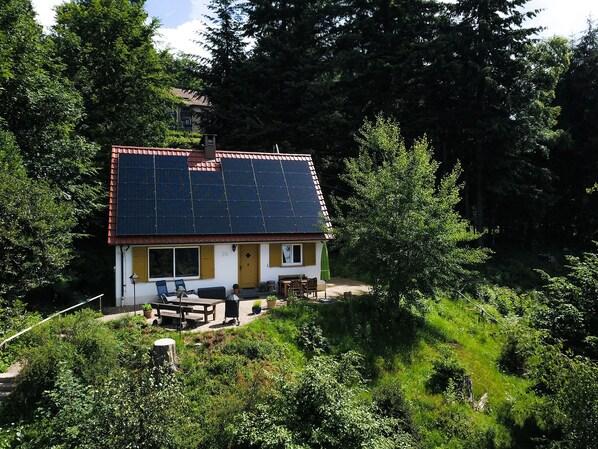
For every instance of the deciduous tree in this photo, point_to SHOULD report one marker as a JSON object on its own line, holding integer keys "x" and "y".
{"x": 400, "y": 226}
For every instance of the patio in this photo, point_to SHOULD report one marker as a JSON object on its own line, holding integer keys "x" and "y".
{"x": 336, "y": 288}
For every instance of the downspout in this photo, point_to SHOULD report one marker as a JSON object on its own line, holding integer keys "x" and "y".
{"x": 122, "y": 272}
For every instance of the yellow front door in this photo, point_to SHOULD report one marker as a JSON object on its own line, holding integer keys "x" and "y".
{"x": 249, "y": 266}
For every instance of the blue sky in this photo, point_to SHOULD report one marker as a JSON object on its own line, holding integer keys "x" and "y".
{"x": 182, "y": 19}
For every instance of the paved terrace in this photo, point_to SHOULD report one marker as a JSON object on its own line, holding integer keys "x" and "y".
{"x": 336, "y": 289}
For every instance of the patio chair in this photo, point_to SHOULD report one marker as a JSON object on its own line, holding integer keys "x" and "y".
{"x": 163, "y": 292}
{"x": 297, "y": 287}
{"x": 181, "y": 283}
{"x": 312, "y": 287}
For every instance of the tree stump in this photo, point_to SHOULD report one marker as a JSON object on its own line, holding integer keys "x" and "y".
{"x": 165, "y": 353}
{"x": 468, "y": 390}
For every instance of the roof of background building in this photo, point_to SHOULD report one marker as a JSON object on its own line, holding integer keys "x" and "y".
{"x": 190, "y": 97}
{"x": 164, "y": 195}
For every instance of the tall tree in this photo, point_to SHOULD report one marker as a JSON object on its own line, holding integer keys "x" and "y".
{"x": 398, "y": 225}
{"x": 41, "y": 110}
{"x": 493, "y": 107}
{"x": 575, "y": 159}
{"x": 111, "y": 60}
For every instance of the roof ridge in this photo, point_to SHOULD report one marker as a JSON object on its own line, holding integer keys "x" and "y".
{"x": 227, "y": 152}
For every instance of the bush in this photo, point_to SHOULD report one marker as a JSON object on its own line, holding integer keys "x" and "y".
{"x": 391, "y": 402}
{"x": 519, "y": 346}
{"x": 446, "y": 370}
{"x": 320, "y": 410}
{"x": 140, "y": 411}
{"x": 79, "y": 342}
{"x": 311, "y": 338}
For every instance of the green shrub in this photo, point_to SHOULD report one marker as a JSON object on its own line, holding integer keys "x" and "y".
{"x": 391, "y": 401}
{"x": 320, "y": 410}
{"x": 145, "y": 410}
{"x": 311, "y": 338}
{"x": 445, "y": 369}
{"x": 79, "y": 342}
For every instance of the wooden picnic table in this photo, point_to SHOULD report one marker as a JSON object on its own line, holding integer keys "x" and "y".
{"x": 207, "y": 305}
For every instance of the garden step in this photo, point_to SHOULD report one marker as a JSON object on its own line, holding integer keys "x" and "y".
{"x": 4, "y": 395}
{"x": 7, "y": 386}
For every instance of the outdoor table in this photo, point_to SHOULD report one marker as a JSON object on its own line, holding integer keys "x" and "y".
{"x": 208, "y": 305}
{"x": 287, "y": 283}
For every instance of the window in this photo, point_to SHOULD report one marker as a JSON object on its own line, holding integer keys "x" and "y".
{"x": 292, "y": 255}
{"x": 173, "y": 262}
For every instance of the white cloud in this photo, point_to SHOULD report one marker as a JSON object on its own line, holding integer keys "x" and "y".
{"x": 565, "y": 18}
{"x": 182, "y": 38}
{"x": 46, "y": 15}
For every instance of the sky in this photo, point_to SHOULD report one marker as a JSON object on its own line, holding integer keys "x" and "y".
{"x": 181, "y": 20}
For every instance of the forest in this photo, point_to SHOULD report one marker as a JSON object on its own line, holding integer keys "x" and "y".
{"x": 458, "y": 154}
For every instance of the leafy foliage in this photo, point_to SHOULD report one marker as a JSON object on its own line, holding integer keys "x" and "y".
{"x": 570, "y": 305}
{"x": 321, "y": 410}
{"x": 144, "y": 411}
{"x": 113, "y": 65}
{"x": 397, "y": 225}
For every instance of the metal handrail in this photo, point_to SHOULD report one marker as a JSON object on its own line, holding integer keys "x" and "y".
{"x": 24, "y": 331}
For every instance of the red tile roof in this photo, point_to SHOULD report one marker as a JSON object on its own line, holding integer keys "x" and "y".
{"x": 197, "y": 161}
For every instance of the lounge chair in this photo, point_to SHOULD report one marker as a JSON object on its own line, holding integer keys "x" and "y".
{"x": 163, "y": 293}
{"x": 181, "y": 283}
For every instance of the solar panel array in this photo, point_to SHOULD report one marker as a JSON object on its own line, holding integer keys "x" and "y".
{"x": 159, "y": 195}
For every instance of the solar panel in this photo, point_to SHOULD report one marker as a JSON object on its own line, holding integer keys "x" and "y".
{"x": 308, "y": 224}
{"x": 295, "y": 167}
{"x": 208, "y": 208}
{"x": 212, "y": 225}
{"x": 247, "y": 225}
{"x": 235, "y": 164}
{"x": 240, "y": 193}
{"x": 174, "y": 225}
{"x": 239, "y": 178}
{"x": 299, "y": 179}
{"x": 159, "y": 195}
{"x": 132, "y": 207}
{"x": 172, "y": 163}
{"x": 283, "y": 225}
{"x": 265, "y": 166}
{"x": 136, "y": 226}
{"x": 126, "y": 161}
{"x": 273, "y": 193}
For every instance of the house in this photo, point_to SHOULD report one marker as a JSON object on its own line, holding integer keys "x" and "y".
{"x": 212, "y": 218}
{"x": 189, "y": 108}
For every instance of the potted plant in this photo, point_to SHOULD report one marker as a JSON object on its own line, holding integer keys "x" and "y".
{"x": 148, "y": 311}
{"x": 236, "y": 289}
{"x": 271, "y": 301}
{"x": 257, "y": 307}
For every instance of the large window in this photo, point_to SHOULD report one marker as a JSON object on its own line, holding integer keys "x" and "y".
{"x": 292, "y": 254}
{"x": 173, "y": 262}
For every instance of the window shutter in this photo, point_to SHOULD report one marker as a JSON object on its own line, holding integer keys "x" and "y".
{"x": 140, "y": 262}
{"x": 275, "y": 255}
{"x": 309, "y": 254}
{"x": 207, "y": 270}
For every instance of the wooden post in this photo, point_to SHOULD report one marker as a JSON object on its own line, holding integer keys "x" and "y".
{"x": 165, "y": 353}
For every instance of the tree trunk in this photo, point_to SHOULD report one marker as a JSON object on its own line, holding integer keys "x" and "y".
{"x": 165, "y": 353}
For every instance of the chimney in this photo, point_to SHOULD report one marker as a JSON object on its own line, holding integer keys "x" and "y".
{"x": 210, "y": 146}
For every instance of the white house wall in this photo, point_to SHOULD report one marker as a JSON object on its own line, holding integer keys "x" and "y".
{"x": 225, "y": 270}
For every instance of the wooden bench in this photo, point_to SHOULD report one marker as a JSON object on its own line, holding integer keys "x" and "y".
{"x": 189, "y": 313}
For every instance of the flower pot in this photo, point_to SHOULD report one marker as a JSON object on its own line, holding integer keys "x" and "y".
{"x": 148, "y": 313}
{"x": 271, "y": 304}
{"x": 256, "y": 310}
